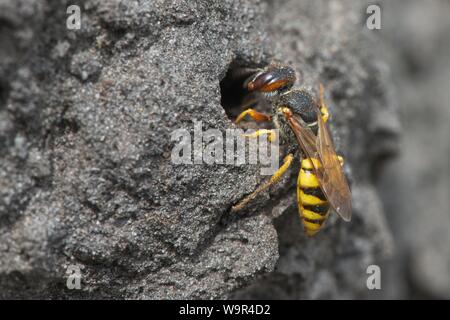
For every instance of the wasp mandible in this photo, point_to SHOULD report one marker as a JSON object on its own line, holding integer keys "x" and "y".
{"x": 301, "y": 120}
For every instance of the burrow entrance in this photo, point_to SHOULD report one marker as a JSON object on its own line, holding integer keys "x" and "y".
{"x": 234, "y": 95}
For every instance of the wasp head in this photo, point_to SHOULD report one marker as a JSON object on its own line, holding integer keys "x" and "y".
{"x": 272, "y": 81}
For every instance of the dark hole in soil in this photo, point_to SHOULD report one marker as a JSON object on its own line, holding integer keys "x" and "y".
{"x": 235, "y": 98}
{"x": 234, "y": 95}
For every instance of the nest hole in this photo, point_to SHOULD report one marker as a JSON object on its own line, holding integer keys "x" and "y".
{"x": 233, "y": 92}
{"x": 235, "y": 97}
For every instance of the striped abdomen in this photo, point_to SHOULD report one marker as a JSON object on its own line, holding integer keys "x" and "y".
{"x": 312, "y": 204}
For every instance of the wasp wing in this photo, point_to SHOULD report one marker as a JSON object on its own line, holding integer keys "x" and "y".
{"x": 329, "y": 173}
{"x": 305, "y": 136}
{"x": 333, "y": 181}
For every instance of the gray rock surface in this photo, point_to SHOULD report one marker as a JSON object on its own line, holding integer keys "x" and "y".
{"x": 85, "y": 173}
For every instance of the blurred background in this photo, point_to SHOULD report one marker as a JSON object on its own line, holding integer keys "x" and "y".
{"x": 415, "y": 186}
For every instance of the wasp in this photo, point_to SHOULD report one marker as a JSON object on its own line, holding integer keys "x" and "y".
{"x": 301, "y": 120}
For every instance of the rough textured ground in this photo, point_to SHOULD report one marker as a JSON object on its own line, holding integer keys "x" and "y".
{"x": 85, "y": 171}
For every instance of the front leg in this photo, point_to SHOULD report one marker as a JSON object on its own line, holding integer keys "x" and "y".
{"x": 255, "y": 115}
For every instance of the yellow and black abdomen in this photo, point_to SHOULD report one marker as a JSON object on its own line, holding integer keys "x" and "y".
{"x": 313, "y": 206}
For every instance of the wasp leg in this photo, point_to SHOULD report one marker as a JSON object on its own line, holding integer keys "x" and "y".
{"x": 322, "y": 104}
{"x": 271, "y": 135}
{"x": 255, "y": 115}
{"x": 274, "y": 179}
{"x": 341, "y": 160}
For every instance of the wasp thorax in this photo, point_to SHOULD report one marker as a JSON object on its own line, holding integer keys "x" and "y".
{"x": 301, "y": 103}
{"x": 297, "y": 103}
